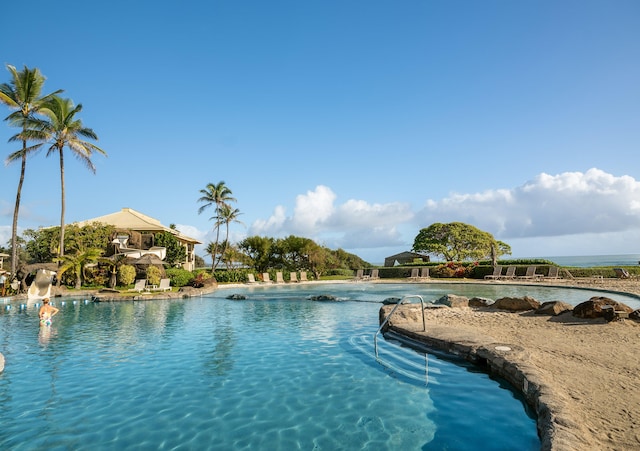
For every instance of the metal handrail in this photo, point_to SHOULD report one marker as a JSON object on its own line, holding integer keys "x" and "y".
{"x": 386, "y": 320}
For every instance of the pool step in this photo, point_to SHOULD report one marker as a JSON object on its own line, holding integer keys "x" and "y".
{"x": 399, "y": 360}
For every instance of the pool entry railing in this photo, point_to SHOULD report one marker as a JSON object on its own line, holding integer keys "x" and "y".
{"x": 386, "y": 320}
{"x": 410, "y": 367}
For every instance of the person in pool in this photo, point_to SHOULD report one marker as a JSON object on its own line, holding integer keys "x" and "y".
{"x": 46, "y": 312}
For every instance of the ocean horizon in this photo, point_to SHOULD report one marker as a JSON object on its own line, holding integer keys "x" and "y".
{"x": 587, "y": 261}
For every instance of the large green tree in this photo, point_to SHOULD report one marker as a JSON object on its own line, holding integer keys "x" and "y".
{"x": 217, "y": 196}
{"x": 259, "y": 250}
{"x": 457, "y": 241}
{"x": 22, "y": 95}
{"x": 65, "y": 130}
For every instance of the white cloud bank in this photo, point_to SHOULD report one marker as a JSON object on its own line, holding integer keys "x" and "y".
{"x": 355, "y": 224}
{"x": 571, "y": 203}
{"x": 588, "y": 212}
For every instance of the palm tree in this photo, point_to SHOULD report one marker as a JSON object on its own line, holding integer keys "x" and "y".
{"x": 22, "y": 94}
{"x": 76, "y": 263}
{"x": 63, "y": 129}
{"x": 216, "y": 196}
{"x": 227, "y": 215}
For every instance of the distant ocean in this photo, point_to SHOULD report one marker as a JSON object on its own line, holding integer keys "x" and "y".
{"x": 596, "y": 260}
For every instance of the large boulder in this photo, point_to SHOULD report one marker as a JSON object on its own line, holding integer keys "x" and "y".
{"x": 596, "y": 307}
{"x": 324, "y": 297}
{"x": 480, "y": 302}
{"x": 554, "y": 308}
{"x": 516, "y": 304}
{"x": 453, "y": 300}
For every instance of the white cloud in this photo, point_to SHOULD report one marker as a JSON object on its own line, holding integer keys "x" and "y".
{"x": 571, "y": 203}
{"x": 354, "y": 224}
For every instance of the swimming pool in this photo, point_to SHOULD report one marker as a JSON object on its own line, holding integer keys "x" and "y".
{"x": 275, "y": 371}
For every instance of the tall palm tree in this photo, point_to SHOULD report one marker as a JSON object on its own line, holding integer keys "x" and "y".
{"x": 22, "y": 95}
{"x": 215, "y": 195}
{"x": 64, "y": 130}
{"x": 227, "y": 215}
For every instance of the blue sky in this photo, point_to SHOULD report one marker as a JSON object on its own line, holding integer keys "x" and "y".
{"x": 353, "y": 123}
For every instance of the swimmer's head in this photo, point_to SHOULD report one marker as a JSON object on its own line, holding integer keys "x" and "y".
{"x": 45, "y": 301}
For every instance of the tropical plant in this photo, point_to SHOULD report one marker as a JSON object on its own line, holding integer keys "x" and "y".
{"x": 126, "y": 275}
{"x": 22, "y": 95}
{"x": 153, "y": 275}
{"x": 176, "y": 252}
{"x": 76, "y": 263}
{"x": 113, "y": 263}
{"x": 63, "y": 129}
{"x": 215, "y": 195}
{"x": 227, "y": 215}
{"x": 457, "y": 241}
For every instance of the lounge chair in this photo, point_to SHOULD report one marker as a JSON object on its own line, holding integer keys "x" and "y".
{"x": 510, "y": 273}
{"x": 497, "y": 273}
{"x": 293, "y": 277}
{"x": 251, "y": 278}
{"x": 530, "y": 274}
{"x": 279, "y": 278}
{"x": 303, "y": 276}
{"x": 140, "y": 285}
{"x": 622, "y": 273}
{"x": 424, "y": 273}
{"x": 415, "y": 274}
{"x": 554, "y": 273}
{"x": 165, "y": 285}
{"x": 265, "y": 277}
{"x": 590, "y": 279}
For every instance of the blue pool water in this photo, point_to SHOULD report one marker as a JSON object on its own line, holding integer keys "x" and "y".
{"x": 275, "y": 371}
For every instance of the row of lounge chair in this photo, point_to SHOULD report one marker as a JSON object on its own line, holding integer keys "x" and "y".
{"x": 510, "y": 273}
{"x": 143, "y": 285}
{"x": 360, "y": 275}
{"x": 416, "y": 274}
{"x": 266, "y": 278}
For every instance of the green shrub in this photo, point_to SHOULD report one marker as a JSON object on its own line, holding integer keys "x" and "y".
{"x": 126, "y": 275}
{"x": 231, "y": 275}
{"x": 153, "y": 275}
{"x": 180, "y": 277}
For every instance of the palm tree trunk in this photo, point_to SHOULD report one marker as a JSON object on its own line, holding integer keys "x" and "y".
{"x": 215, "y": 249}
{"x": 16, "y": 211}
{"x": 61, "y": 249}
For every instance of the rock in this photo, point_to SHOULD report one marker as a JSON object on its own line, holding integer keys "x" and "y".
{"x": 480, "y": 302}
{"x": 635, "y": 314}
{"x": 1, "y": 363}
{"x": 453, "y": 300}
{"x": 389, "y": 301}
{"x": 554, "y": 308}
{"x": 237, "y": 297}
{"x": 593, "y": 308}
{"x": 516, "y": 304}
{"x": 324, "y": 297}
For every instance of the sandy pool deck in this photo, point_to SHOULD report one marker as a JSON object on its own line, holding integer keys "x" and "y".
{"x": 583, "y": 373}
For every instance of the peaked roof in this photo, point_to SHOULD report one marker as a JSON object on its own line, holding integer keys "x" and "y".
{"x": 128, "y": 218}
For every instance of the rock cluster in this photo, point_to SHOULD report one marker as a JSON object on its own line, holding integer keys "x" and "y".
{"x": 596, "y": 307}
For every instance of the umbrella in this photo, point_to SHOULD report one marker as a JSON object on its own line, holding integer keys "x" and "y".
{"x": 149, "y": 259}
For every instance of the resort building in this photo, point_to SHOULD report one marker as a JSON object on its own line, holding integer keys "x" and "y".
{"x": 136, "y": 235}
{"x": 406, "y": 257}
